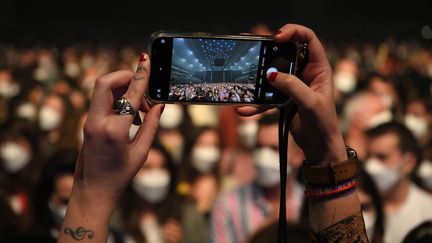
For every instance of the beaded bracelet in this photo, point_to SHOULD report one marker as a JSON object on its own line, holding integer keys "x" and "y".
{"x": 333, "y": 190}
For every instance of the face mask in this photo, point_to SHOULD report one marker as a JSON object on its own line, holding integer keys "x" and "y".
{"x": 171, "y": 117}
{"x": 204, "y": 158}
{"x": 369, "y": 219}
{"x": 58, "y": 212}
{"x": 27, "y": 111}
{"x": 266, "y": 162}
{"x": 72, "y": 69}
{"x": 153, "y": 185}
{"x": 345, "y": 81}
{"x": 247, "y": 100}
{"x": 247, "y": 133}
{"x": 379, "y": 118}
{"x": 49, "y": 118}
{"x": 385, "y": 177}
{"x": 425, "y": 173}
{"x": 14, "y": 157}
{"x": 234, "y": 99}
{"x": 417, "y": 125}
{"x": 8, "y": 89}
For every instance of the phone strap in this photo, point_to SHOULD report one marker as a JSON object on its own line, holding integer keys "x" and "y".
{"x": 286, "y": 115}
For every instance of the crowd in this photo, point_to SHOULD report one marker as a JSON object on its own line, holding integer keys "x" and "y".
{"x": 212, "y": 175}
{"x": 210, "y": 92}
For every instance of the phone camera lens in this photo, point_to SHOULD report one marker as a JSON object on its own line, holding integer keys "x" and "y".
{"x": 163, "y": 41}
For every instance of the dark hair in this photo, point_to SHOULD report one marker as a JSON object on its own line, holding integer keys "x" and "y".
{"x": 295, "y": 233}
{"x": 407, "y": 142}
{"x": 420, "y": 234}
{"x": 60, "y": 163}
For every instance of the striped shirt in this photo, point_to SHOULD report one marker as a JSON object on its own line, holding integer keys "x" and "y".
{"x": 237, "y": 214}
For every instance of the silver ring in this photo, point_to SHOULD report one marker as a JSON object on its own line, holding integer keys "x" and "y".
{"x": 122, "y": 106}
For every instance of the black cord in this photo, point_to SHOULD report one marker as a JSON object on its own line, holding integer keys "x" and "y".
{"x": 286, "y": 114}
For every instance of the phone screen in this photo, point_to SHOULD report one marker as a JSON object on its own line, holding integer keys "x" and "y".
{"x": 218, "y": 70}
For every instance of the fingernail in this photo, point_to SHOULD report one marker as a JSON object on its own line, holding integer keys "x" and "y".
{"x": 272, "y": 76}
{"x": 143, "y": 57}
{"x": 278, "y": 32}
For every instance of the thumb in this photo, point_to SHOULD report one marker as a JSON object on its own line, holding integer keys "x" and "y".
{"x": 301, "y": 94}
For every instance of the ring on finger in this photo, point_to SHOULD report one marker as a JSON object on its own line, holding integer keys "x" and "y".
{"x": 122, "y": 106}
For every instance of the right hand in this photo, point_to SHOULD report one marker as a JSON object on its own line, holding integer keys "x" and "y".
{"x": 315, "y": 128}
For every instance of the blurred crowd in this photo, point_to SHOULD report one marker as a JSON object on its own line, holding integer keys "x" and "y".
{"x": 212, "y": 176}
{"x": 211, "y": 92}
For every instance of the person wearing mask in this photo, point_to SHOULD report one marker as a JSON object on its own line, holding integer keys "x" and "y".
{"x": 109, "y": 161}
{"x": 261, "y": 197}
{"x": 52, "y": 194}
{"x": 150, "y": 209}
{"x": 392, "y": 157}
{"x": 19, "y": 166}
{"x": 201, "y": 173}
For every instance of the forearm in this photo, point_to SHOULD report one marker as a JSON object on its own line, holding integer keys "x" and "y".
{"x": 337, "y": 219}
{"x": 87, "y": 217}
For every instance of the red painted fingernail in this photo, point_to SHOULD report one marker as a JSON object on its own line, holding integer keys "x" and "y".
{"x": 272, "y": 76}
{"x": 278, "y": 32}
{"x": 143, "y": 57}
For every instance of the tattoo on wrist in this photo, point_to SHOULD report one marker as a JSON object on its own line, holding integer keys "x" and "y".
{"x": 350, "y": 229}
{"x": 79, "y": 233}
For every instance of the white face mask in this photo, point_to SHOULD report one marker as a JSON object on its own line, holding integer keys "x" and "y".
{"x": 205, "y": 158}
{"x": 8, "y": 89}
{"x": 379, "y": 118}
{"x": 248, "y": 133}
{"x": 425, "y": 173}
{"x": 345, "y": 81}
{"x": 72, "y": 69}
{"x": 369, "y": 219}
{"x": 418, "y": 126}
{"x": 49, "y": 118}
{"x": 171, "y": 117}
{"x": 266, "y": 162}
{"x": 27, "y": 111}
{"x": 385, "y": 177}
{"x": 153, "y": 185}
{"x": 14, "y": 157}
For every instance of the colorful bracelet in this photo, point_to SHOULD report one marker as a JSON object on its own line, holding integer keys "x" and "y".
{"x": 331, "y": 191}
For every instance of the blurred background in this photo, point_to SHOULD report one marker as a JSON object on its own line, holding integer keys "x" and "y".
{"x": 51, "y": 53}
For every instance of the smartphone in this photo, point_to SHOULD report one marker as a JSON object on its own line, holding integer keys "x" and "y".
{"x": 201, "y": 68}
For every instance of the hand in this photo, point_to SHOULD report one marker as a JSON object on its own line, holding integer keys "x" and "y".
{"x": 108, "y": 160}
{"x": 172, "y": 231}
{"x": 315, "y": 128}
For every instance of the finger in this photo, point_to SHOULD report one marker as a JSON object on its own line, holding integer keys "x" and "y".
{"x": 261, "y": 29}
{"x": 301, "y": 94}
{"x": 302, "y": 34}
{"x": 146, "y": 133}
{"x": 102, "y": 97}
{"x": 251, "y": 110}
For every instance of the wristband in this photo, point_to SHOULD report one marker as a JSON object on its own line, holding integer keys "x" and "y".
{"x": 333, "y": 173}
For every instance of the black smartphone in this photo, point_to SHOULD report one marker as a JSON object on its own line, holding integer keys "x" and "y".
{"x": 201, "y": 68}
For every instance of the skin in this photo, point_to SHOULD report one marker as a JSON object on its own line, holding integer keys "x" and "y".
{"x": 108, "y": 161}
